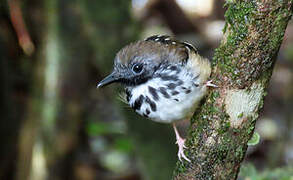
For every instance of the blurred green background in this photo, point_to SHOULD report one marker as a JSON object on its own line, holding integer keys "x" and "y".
{"x": 56, "y": 125}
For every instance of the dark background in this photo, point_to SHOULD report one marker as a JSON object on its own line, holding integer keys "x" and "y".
{"x": 55, "y": 124}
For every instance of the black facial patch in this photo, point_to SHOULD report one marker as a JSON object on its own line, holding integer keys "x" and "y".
{"x": 176, "y": 100}
{"x": 154, "y": 93}
{"x": 174, "y": 93}
{"x": 151, "y": 103}
{"x": 136, "y": 80}
{"x": 171, "y": 86}
{"x": 164, "y": 92}
{"x": 137, "y": 103}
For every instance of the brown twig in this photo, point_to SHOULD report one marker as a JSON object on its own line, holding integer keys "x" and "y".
{"x": 17, "y": 21}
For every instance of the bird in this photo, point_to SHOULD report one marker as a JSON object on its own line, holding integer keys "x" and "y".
{"x": 164, "y": 80}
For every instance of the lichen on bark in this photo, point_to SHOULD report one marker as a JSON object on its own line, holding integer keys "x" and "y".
{"x": 242, "y": 67}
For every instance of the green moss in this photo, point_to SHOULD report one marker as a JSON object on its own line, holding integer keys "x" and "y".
{"x": 221, "y": 152}
{"x": 238, "y": 18}
{"x": 240, "y": 115}
{"x": 215, "y": 94}
{"x": 224, "y": 127}
{"x": 250, "y": 125}
{"x": 239, "y": 152}
{"x": 279, "y": 26}
{"x": 238, "y": 58}
{"x": 180, "y": 168}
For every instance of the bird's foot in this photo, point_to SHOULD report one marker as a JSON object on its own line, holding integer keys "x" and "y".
{"x": 210, "y": 84}
{"x": 181, "y": 146}
{"x": 180, "y": 142}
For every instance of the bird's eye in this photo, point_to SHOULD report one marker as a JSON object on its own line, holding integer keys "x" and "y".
{"x": 137, "y": 68}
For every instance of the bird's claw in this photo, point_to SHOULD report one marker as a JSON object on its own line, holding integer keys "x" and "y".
{"x": 181, "y": 146}
{"x": 210, "y": 84}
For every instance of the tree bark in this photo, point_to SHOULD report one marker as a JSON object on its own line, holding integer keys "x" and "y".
{"x": 242, "y": 67}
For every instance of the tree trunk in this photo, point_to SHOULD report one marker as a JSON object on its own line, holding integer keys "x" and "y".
{"x": 242, "y": 67}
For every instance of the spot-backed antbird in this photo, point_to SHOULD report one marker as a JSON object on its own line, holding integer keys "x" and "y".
{"x": 164, "y": 80}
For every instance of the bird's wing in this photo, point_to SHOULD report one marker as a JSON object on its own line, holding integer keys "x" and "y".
{"x": 186, "y": 53}
{"x": 183, "y": 47}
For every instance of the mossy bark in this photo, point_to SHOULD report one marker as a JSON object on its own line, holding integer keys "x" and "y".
{"x": 242, "y": 67}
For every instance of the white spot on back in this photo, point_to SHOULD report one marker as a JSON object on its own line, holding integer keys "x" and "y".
{"x": 187, "y": 48}
{"x": 188, "y": 44}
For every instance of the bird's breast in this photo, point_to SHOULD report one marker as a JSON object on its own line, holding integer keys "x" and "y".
{"x": 170, "y": 96}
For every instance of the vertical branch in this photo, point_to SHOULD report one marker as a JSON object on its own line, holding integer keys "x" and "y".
{"x": 242, "y": 68}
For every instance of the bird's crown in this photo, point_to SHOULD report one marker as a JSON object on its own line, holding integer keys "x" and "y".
{"x": 156, "y": 48}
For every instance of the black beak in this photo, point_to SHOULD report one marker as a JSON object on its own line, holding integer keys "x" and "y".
{"x": 113, "y": 77}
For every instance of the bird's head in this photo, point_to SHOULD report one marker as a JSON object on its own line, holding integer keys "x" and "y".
{"x": 140, "y": 61}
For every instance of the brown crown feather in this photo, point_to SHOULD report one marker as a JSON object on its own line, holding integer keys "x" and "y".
{"x": 157, "y": 48}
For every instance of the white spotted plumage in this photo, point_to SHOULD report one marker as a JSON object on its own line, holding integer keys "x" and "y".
{"x": 181, "y": 100}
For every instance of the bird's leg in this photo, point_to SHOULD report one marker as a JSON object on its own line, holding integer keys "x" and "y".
{"x": 210, "y": 84}
{"x": 180, "y": 142}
